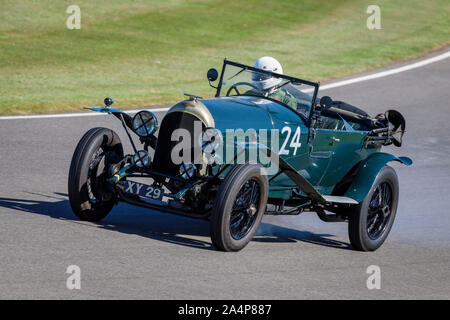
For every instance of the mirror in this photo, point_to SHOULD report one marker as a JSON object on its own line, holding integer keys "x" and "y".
{"x": 212, "y": 75}
{"x": 326, "y": 102}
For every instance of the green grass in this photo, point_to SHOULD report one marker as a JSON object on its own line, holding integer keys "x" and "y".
{"x": 145, "y": 53}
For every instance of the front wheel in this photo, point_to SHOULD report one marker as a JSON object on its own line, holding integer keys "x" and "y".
{"x": 239, "y": 207}
{"x": 90, "y": 197}
{"x": 372, "y": 220}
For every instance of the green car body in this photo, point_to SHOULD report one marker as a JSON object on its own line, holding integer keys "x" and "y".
{"x": 324, "y": 157}
{"x": 327, "y": 157}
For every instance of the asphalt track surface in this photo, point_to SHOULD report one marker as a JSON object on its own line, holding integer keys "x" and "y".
{"x": 140, "y": 254}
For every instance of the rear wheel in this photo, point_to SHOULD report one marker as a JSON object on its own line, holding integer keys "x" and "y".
{"x": 372, "y": 220}
{"x": 239, "y": 207}
{"x": 90, "y": 197}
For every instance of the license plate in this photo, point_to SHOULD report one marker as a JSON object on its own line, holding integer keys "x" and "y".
{"x": 143, "y": 190}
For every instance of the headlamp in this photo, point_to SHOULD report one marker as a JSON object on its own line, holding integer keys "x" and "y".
{"x": 144, "y": 123}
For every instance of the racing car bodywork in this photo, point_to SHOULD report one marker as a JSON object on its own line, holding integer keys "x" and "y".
{"x": 240, "y": 155}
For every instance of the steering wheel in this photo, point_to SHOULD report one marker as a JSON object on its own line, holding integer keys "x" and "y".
{"x": 235, "y": 85}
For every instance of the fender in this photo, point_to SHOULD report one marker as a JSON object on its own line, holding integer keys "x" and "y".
{"x": 368, "y": 172}
{"x": 116, "y": 112}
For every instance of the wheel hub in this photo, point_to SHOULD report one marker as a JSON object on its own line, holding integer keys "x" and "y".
{"x": 251, "y": 210}
{"x": 385, "y": 210}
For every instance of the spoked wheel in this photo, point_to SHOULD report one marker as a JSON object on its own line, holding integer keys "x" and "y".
{"x": 239, "y": 207}
{"x": 243, "y": 214}
{"x": 96, "y": 185}
{"x": 372, "y": 220}
{"x": 89, "y": 194}
{"x": 379, "y": 214}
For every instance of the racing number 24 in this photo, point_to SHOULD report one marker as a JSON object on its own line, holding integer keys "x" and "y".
{"x": 295, "y": 142}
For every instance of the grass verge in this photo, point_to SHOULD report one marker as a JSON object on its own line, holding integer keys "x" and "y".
{"x": 145, "y": 53}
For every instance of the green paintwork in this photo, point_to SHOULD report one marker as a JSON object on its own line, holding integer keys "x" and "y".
{"x": 122, "y": 173}
{"x": 368, "y": 172}
{"x": 321, "y": 156}
{"x": 324, "y": 157}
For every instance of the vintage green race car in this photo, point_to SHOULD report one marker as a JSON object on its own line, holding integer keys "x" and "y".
{"x": 245, "y": 153}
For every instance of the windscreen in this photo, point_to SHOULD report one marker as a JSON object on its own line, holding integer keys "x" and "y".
{"x": 240, "y": 80}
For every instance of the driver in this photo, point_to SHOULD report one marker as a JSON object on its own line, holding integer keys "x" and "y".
{"x": 268, "y": 85}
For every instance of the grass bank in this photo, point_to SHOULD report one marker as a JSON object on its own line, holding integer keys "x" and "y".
{"x": 145, "y": 53}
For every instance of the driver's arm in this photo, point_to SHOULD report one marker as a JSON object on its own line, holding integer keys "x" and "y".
{"x": 289, "y": 99}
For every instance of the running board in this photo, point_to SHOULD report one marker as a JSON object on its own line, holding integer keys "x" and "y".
{"x": 339, "y": 199}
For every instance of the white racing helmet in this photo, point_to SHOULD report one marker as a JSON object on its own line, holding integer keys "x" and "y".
{"x": 265, "y": 81}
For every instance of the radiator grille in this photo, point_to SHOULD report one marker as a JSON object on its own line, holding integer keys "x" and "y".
{"x": 162, "y": 159}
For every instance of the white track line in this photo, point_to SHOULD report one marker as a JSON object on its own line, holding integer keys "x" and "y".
{"x": 387, "y": 72}
{"x": 324, "y": 87}
{"x": 79, "y": 114}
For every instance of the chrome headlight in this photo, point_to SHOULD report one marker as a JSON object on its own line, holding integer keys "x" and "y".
{"x": 187, "y": 170}
{"x": 210, "y": 140}
{"x": 144, "y": 123}
{"x": 142, "y": 159}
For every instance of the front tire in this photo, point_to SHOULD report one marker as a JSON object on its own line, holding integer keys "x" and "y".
{"x": 372, "y": 220}
{"x": 90, "y": 197}
{"x": 239, "y": 207}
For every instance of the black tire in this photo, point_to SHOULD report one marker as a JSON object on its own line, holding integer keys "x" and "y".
{"x": 89, "y": 195}
{"x": 233, "y": 193}
{"x": 370, "y": 222}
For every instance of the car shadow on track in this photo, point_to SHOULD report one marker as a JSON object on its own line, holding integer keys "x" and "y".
{"x": 268, "y": 232}
{"x": 159, "y": 226}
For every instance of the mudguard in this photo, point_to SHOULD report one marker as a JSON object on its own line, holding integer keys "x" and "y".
{"x": 368, "y": 171}
{"x": 116, "y": 112}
